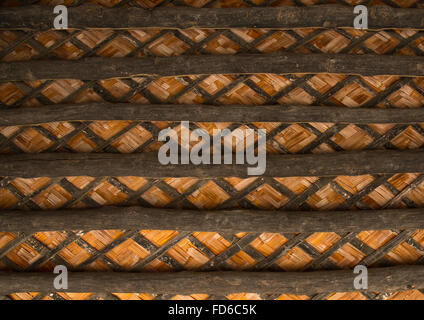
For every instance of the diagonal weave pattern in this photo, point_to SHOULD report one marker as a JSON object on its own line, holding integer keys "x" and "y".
{"x": 163, "y": 250}
{"x": 296, "y": 193}
{"x": 154, "y": 250}
{"x": 136, "y": 136}
{"x": 258, "y": 89}
{"x": 75, "y": 44}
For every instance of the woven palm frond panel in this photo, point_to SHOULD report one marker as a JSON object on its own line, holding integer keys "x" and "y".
{"x": 258, "y": 89}
{"x": 75, "y": 44}
{"x": 166, "y": 250}
{"x": 148, "y": 4}
{"x": 135, "y": 136}
{"x": 297, "y": 193}
{"x": 400, "y": 295}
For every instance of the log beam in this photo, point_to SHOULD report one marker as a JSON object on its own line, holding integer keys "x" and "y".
{"x": 323, "y": 16}
{"x": 275, "y": 63}
{"x": 147, "y": 165}
{"x": 230, "y": 221}
{"x": 208, "y": 113}
{"x": 389, "y": 279}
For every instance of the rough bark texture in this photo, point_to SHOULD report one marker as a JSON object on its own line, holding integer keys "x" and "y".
{"x": 223, "y": 220}
{"x": 148, "y": 165}
{"x": 207, "y": 113}
{"x": 323, "y": 16}
{"x": 277, "y": 63}
{"x": 379, "y": 280}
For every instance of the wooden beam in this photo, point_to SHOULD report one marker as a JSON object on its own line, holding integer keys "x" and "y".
{"x": 323, "y": 16}
{"x": 207, "y": 113}
{"x": 276, "y": 63}
{"x": 389, "y": 279}
{"x": 147, "y": 165}
{"x": 231, "y": 221}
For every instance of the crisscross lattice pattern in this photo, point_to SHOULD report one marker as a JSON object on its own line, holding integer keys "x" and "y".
{"x": 76, "y": 44}
{"x": 158, "y": 250}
